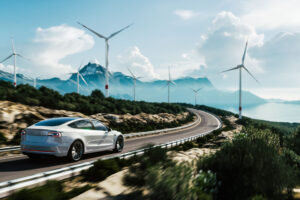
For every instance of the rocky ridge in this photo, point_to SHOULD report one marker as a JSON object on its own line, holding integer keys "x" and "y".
{"x": 15, "y": 116}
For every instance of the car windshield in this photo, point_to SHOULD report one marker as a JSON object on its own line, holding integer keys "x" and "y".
{"x": 54, "y": 122}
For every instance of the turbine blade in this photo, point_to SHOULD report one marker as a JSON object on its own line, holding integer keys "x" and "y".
{"x": 244, "y": 55}
{"x": 80, "y": 65}
{"x": 98, "y": 34}
{"x": 198, "y": 90}
{"x": 139, "y": 77}
{"x": 193, "y": 89}
{"x": 167, "y": 83}
{"x": 250, "y": 74}
{"x": 23, "y": 57}
{"x": 115, "y": 33}
{"x": 173, "y": 82}
{"x": 12, "y": 44}
{"x": 83, "y": 79}
{"x": 131, "y": 72}
{"x": 7, "y": 58}
{"x": 72, "y": 81}
{"x": 234, "y": 68}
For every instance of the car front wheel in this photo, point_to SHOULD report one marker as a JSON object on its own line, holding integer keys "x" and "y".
{"x": 76, "y": 151}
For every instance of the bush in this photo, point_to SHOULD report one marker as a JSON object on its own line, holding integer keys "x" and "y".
{"x": 172, "y": 183}
{"x": 293, "y": 142}
{"x": 205, "y": 185}
{"x": 250, "y": 166}
{"x": 3, "y": 139}
{"x": 138, "y": 172}
{"x": 16, "y": 140}
{"x": 101, "y": 170}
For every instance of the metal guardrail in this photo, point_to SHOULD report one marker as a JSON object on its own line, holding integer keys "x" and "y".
{"x": 8, "y": 187}
{"x": 10, "y": 148}
{"x": 129, "y": 135}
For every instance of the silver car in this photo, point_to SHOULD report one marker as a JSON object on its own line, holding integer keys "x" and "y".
{"x": 68, "y": 136}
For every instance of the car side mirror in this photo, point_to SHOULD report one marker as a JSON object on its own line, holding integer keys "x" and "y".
{"x": 109, "y": 129}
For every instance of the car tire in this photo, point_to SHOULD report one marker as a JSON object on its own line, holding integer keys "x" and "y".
{"x": 76, "y": 151}
{"x": 119, "y": 144}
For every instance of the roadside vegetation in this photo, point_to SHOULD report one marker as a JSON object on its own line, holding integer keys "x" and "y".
{"x": 260, "y": 162}
{"x": 52, "y": 190}
{"x": 95, "y": 103}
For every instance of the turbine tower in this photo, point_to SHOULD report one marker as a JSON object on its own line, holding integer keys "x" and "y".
{"x": 14, "y": 54}
{"x": 106, "y": 52}
{"x": 34, "y": 79}
{"x": 169, "y": 82}
{"x": 79, "y": 76}
{"x": 240, "y": 67}
{"x": 134, "y": 78}
{"x": 196, "y": 93}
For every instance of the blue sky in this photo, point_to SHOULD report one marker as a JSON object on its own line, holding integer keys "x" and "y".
{"x": 196, "y": 38}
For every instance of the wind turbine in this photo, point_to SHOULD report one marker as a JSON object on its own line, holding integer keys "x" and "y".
{"x": 240, "y": 67}
{"x": 196, "y": 93}
{"x": 134, "y": 78}
{"x": 106, "y": 52}
{"x": 14, "y": 54}
{"x": 169, "y": 82}
{"x": 79, "y": 76}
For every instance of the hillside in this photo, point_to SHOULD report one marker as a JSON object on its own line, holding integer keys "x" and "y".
{"x": 95, "y": 103}
{"x": 15, "y": 116}
{"x": 121, "y": 87}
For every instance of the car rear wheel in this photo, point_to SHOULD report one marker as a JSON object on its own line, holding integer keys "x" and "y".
{"x": 76, "y": 151}
{"x": 119, "y": 144}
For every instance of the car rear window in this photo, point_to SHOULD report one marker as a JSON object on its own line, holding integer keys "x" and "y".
{"x": 54, "y": 122}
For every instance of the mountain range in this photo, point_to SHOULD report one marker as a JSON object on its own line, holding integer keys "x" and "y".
{"x": 121, "y": 86}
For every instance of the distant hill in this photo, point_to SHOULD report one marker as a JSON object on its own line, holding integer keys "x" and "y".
{"x": 121, "y": 86}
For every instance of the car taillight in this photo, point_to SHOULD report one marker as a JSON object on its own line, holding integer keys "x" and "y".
{"x": 54, "y": 134}
{"x": 23, "y": 132}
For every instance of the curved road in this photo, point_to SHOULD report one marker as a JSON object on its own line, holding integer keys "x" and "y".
{"x": 12, "y": 168}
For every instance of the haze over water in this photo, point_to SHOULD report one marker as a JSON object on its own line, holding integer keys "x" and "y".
{"x": 279, "y": 112}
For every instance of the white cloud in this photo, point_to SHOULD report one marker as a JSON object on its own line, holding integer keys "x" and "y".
{"x": 280, "y": 59}
{"x": 272, "y": 14}
{"x": 189, "y": 64}
{"x": 186, "y": 14}
{"x": 223, "y": 45}
{"x": 54, "y": 44}
{"x": 139, "y": 64}
{"x": 10, "y": 69}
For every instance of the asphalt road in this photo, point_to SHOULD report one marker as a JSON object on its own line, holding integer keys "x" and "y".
{"x": 17, "y": 167}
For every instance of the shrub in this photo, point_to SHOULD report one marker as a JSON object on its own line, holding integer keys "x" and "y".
{"x": 205, "y": 185}
{"x": 16, "y": 140}
{"x": 250, "y": 166}
{"x": 3, "y": 139}
{"x": 138, "y": 172}
{"x": 172, "y": 183}
{"x": 101, "y": 170}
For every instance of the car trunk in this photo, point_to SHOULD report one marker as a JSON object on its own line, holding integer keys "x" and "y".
{"x": 36, "y": 135}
